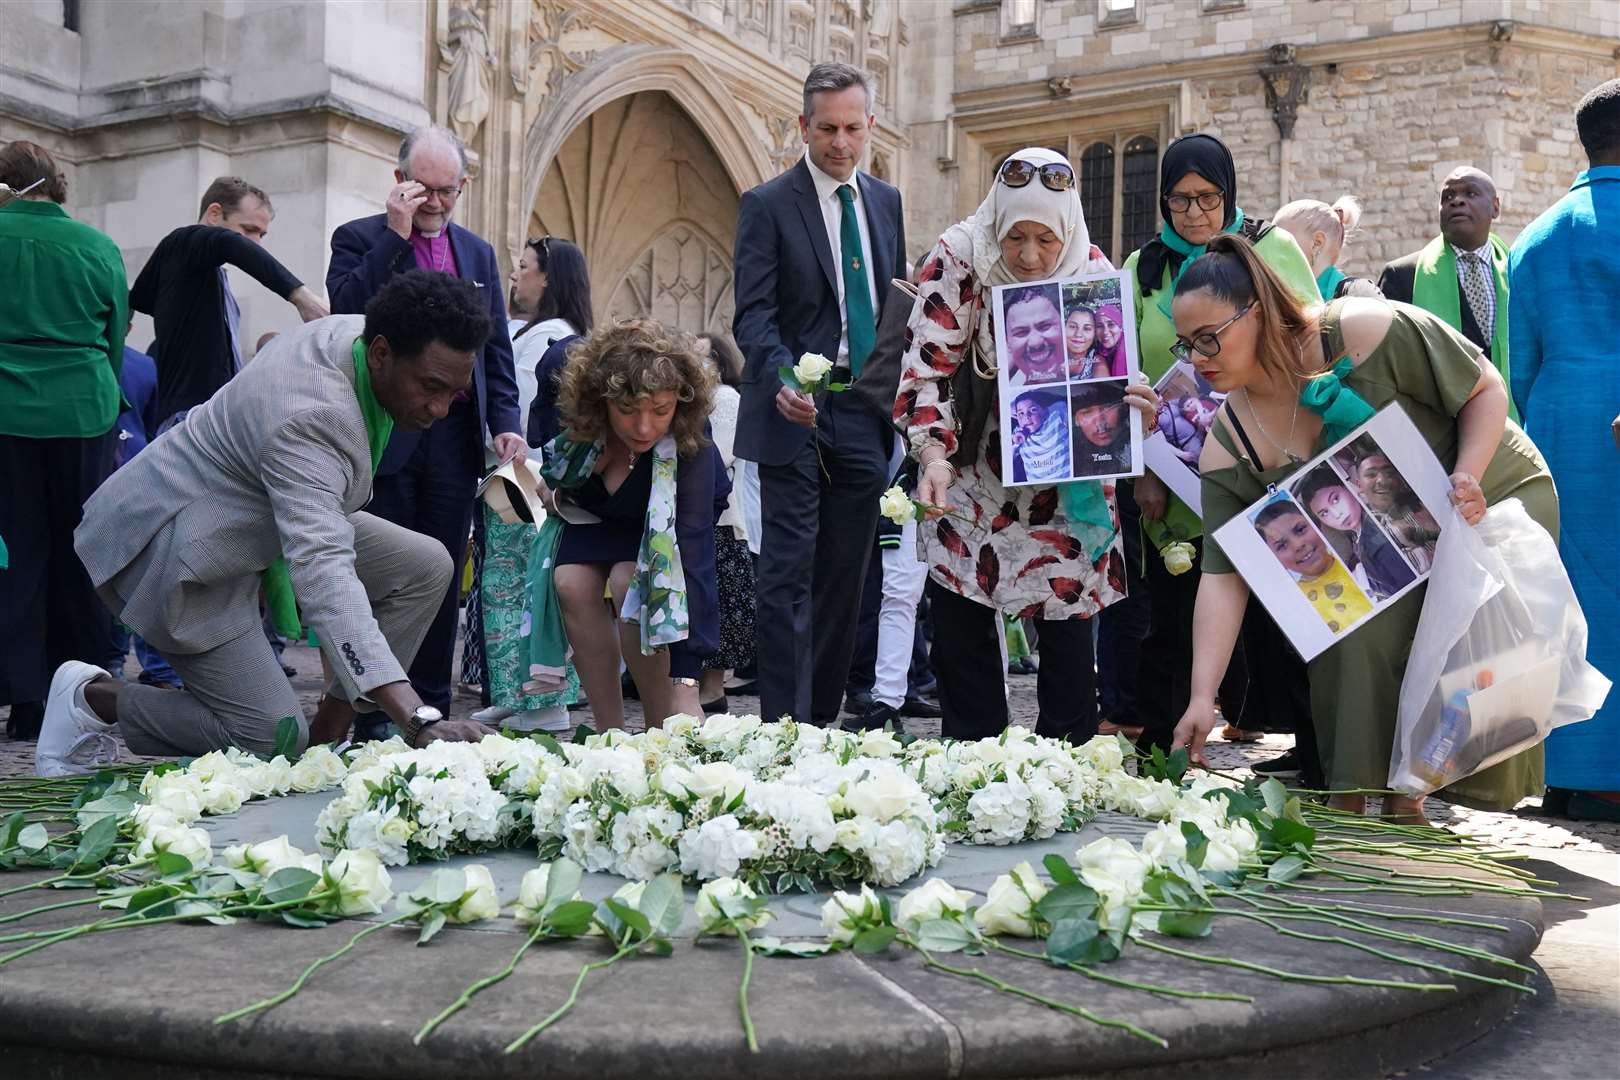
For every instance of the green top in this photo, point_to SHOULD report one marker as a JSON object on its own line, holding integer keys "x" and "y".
{"x": 1423, "y": 364}
{"x": 1156, "y": 332}
{"x": 62, "y": 326}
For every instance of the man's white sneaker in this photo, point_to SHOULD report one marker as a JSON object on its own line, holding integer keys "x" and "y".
{"x": 73, "y": 741}
{"x": 554, "y": 720}
{"x": 492, "y": 715}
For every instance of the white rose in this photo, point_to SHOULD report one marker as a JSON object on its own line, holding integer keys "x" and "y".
{"x": 879, "y": 744}
{"x": 713, "y": 919}
{"x": 178, "y": 840}
{"x": 268, "y": 856}
{"x": 629, "y": 894}
{"x": 1010, "y": 906}
{"x": 884, "y": 796}
{"x": 395, "y": 831}
{"x": 716, "y": 778}
{"x": 933, "y": 899}
{"x": 680, "y": 726}
{"x": 843, "y": 909}
{"x": 220, "y": 796}
{"x": 1103, "y": 753}
{"x": 1165, "y": 844}
{"x": 358, "y": 882}
{"x": 147, "y": 819}
{"x": 532, "y": 895}
{"x": 811, "y": 369}
{"x": 479, "y": 901}
{"x": 1114, "y": 868}
{"x": 180, "y": 795}
{"x": 1178, "y": 558}
{"x": 895, "y": 505}
{"x": 308, "y": 774}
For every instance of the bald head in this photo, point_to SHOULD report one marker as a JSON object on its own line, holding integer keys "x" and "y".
{"x": 1468, "y": 206}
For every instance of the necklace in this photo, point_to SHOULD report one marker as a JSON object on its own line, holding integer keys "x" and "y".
{"x": 1293, "y": 458}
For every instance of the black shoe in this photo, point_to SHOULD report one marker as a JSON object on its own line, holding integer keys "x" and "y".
{"x": 370, "y": 727}
{"x": 289, "y": 671}
{"x": 578, "y": 706}
{"x": 1285, "y": 764}
{"x": 877, "y": 717}
{"x": 745, "y": 689}
{"x": 627, "y": 687}
{"x": 26, "y": 717}
{"x": 921, "y": 708}
{"x": 718, "y": 705}
{"x": 857, "y": 702}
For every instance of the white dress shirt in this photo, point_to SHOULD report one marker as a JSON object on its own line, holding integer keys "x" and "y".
{"x": 1488, "y": 265}
{"x": 832, "y": 213}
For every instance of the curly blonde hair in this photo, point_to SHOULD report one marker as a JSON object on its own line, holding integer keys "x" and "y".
{"x": 626, "y": 361}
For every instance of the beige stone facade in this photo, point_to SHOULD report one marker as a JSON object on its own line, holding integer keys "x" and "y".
{"x": 632, "y": 126}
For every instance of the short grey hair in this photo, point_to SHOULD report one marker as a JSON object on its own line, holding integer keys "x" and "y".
{"x": 835, "y": 77}
{"x": 431, "y": 133}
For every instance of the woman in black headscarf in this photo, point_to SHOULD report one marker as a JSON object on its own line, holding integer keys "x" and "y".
{"x": 1198, "y": 202}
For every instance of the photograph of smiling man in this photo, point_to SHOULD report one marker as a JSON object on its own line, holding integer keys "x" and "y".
{"x": 1035, "y": 345}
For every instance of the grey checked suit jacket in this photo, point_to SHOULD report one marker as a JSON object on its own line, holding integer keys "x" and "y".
{"x": 274, "y": 463}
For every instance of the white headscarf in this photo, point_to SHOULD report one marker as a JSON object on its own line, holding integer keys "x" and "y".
{"x": 979, "y": 237}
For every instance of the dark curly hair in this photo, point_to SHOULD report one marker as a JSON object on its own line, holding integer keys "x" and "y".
{"x": 624, "y": 361}
{"x": 422, "y": 306}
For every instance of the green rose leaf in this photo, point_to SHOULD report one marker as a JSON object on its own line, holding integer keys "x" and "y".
{"x": 289, "y": 883}
{"x": 660, "y": 946}
{"x": 152, "y": 901}
{"x": 562, "y": 882}
{"x": 33, "y": 837}
{"x": 837, "y": 387}
{"x": 173, "y": 865}
{"x": 446, "y": 886}
{"x": 1074, "y": 901}
{"x": 303, "y": 920}
{"x": 789, "y": 380}
{"x": 1197, "y": 843}
{"x": 570, "y": 918}
{"x": 663, "y": 904}
{"x": 96, "y": 842}
{"x": 621, "y": 915}
{"x": 431, "y": 926}
{"x": 943, "y": 935}
{"x": 1059, "y": 870}
{"x": 581, "y": 733}
{"x": 13, "y": 826}
{"x": 1286, "y": 868}
{"x": 1075, "y": 941}
{"x": 1286, "y": 835}
{"x": 874, "y": 939}
{"x": 548, "y": 742}
{"x": 1275, "y": 795}
{"x": 1186, "y": 924}
{"x": 287, "y": 737}
{"x": 774, "y": 946}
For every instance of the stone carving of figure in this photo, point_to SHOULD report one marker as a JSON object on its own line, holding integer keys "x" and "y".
{"x": 470, "y": 63}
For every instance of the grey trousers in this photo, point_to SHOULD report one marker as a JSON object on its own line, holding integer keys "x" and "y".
{"x": 236, "y": 693}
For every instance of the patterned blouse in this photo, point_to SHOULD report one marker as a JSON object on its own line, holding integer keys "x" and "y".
{"x": 1010, "y": 549}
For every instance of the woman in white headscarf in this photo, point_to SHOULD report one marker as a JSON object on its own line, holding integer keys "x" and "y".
{"x": 1053, "y": 553}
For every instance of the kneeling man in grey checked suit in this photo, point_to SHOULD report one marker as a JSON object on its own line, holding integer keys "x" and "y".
{"x": 277, "y": 463}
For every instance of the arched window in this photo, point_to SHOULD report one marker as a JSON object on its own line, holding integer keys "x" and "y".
{"x": 1140, "y": 195}
{"x": 1097, "y": 193}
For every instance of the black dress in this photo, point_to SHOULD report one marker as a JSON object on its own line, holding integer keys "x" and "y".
{"x": 617, "y": 538}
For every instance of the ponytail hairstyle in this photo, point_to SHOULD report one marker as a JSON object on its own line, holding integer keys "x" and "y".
{"x": 1305, "y": 216}
{"x": 1235, "y": 273}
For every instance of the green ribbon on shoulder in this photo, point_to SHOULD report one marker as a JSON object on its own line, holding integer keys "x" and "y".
{"x": 277, "y": 581}
{"x": 1436, "y": 290}
{"x": 1342, "y": 409}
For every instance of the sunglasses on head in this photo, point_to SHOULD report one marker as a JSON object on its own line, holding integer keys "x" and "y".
{"x": 1055, "y": 176}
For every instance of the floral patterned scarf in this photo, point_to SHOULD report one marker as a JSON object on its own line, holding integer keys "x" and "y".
{"x": 656, "y": 599}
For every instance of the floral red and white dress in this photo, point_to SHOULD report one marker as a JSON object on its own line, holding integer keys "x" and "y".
{"x": 1010, "y": 549}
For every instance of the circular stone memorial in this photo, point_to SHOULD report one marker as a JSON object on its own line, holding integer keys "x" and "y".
{"x": 142, "y": 1002}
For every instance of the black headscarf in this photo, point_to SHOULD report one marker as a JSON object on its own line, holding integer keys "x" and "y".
{"x": 1197, "y": 153}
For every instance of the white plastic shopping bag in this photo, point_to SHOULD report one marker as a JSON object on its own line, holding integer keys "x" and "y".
{"x": 1499, "y": 659}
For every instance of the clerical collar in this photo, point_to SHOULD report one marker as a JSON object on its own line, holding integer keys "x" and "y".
{"x": 430, "y": 235}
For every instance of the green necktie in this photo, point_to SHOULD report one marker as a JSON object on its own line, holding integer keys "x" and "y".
{"x": 857, "y": 294}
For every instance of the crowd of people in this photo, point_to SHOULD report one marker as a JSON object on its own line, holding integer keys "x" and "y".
{"x": 711, "y": 527}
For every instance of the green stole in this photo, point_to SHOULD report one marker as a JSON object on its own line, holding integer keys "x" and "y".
{"x": 1435, "y": 289}
{"x": 278, "y": 588}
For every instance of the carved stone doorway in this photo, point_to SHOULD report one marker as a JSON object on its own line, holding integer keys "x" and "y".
{"x": 642, "y": 192}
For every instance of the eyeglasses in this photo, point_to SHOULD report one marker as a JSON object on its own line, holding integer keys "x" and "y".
{"x": 1209, "y": 342}
{"x": 1056, "y": 176}
{"x": 1180, "y": 204}
{"x": 446, "y": 194}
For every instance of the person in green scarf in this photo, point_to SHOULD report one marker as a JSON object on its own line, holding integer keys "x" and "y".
{"x": 1198, "y": 200}
{"x": 274, "y": 469}
{"x": 1322, "y": 231}
{"x": 1461, "y": 275}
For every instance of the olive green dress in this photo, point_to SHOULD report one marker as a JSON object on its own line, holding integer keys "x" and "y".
{"x": 1429, "y": 369}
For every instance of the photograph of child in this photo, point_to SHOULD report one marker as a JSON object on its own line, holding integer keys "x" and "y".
{"x": 1394, "y": 506}
{"x": 1188, "y": 405}
{"x": 1374, "y": 560}
{"x": 1034, "y": 335}
{"x": 1309, "y": 559}
{"x": 1102, "y": 429}
{"x": 1091, "y": 330}
{"x": 1040, "y": 437}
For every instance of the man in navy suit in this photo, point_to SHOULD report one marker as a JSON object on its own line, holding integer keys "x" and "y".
{"x": 816, "y": 250}
{"x": 426, "y": 480}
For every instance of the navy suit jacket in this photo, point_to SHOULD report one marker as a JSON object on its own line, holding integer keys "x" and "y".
{"x": 787, "y": 295}
{"x": 366, "y": 253}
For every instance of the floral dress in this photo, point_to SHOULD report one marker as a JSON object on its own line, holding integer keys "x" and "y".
{"x": 1010, "y": 549}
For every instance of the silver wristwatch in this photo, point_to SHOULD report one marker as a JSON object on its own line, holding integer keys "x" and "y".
{"x": 423, "y": 716}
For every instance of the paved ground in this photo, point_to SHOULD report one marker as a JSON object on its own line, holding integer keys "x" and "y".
{"x": 1570, "y": 1031}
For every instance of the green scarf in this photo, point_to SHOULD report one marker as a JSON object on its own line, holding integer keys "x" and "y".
{"x": 278, "y": 589}
{"x": 1327, "y": 282}
{"x": 1342, "y": 409}
{"x": 656, "y": 599}
{"x": 1435, "y": 289}
{"x": 1188, "y": 252}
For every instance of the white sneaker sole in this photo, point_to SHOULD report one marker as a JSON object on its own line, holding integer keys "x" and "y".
{"x": 62, "y": 726}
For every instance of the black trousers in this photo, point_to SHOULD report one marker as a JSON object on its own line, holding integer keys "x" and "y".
{"x": 432, "y": 493}
{"x": 972, "y": 680}
{"x": 1123, "y": 626}
{"x": 819, "y": 518}
{"x": 49, "y": 611}
{"x": 1279, "y": 698}
{"x": 1164, "y": 676}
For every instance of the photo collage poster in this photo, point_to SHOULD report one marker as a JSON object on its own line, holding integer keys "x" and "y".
{"x": 1347, "y": 535}
{"x": 1065, "y": 357}
{"x": 1187, "y": 409}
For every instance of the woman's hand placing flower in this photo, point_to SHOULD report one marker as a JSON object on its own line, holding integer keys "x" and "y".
{"x": 1468, "y": 497}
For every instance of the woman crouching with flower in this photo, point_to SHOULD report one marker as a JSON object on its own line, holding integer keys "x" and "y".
{"x": 1051, "y": 553}
{"x": 632, "y": 492}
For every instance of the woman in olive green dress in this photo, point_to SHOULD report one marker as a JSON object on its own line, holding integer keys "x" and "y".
{"x": 1299, "y": 379}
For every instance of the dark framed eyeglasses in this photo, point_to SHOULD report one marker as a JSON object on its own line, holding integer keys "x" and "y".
{"x": 444, "y": 193}
{"x": 1180, "y": 204}
{"x": 1017, "y": 173}
{"x": 1209, "y": 342}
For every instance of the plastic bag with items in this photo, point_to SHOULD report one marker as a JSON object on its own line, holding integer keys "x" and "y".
{"x": 1499, "y": 659}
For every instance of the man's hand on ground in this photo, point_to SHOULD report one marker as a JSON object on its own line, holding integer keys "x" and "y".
{"x": 453, "y": 731}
